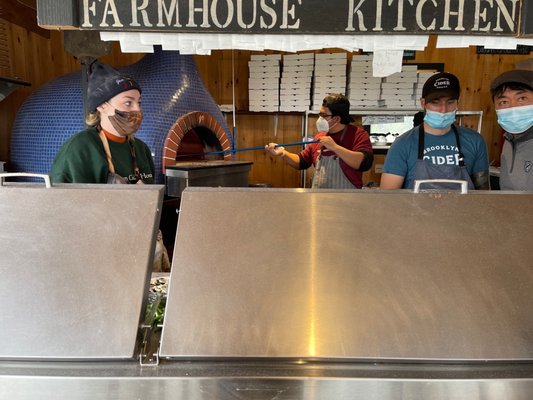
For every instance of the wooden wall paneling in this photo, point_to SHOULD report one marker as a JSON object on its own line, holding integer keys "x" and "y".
{"x": 5, "y": 59}
{"x": 22, "y": 13}
{"x": 62, "y": 62}
{"x": 17, "y": 44}
{"x": 217, "y": 72}
{"x": 43, "y": 60}
{"x": 225, "y": 76}
{"x": 259, "y": 129}
{"x": 233, "y": 78}
{"x": 118, "y": 59}
{"x": 7, "y": 110}
{"x": 19, "y": 53}
{"x": 490, "y": 129}
{"x": 5, "y": 70}
{"x": 241, "y": 79}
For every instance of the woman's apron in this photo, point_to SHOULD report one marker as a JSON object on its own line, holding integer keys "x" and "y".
{"x": 328, "y": 172}
{"x": 425, "y": 169}
{"x": 112, "y": 177}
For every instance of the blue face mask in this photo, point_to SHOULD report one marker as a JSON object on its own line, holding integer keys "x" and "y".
{"x": 516, "y": 119}
{"x": 439, "y": 120}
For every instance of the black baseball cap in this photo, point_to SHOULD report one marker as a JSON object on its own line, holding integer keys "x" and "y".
{"x": 441, "y": 84}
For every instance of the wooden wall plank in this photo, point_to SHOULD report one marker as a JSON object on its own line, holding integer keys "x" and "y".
{"x": 258, "y": 129}
{"x": 23, "y": 14}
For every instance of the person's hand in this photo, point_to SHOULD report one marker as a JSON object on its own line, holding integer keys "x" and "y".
{"x": 274, "y": 149}
{"x": 327, "y": 142}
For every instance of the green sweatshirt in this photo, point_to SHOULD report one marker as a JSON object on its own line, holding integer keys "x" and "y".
{"x": 82, "y": 159}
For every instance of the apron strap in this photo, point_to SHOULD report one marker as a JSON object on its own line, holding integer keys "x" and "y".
{"x": 461, "y": 155}
{"x": 421, "y": 135}
{"x": 103, "y": 138}
{"x": 136, "y": 171}
{"x": 110, "y": 165}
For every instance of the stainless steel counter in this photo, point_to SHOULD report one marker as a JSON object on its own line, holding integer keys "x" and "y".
{"x": 262, "y": 380}
{"x": 280, "y": 294}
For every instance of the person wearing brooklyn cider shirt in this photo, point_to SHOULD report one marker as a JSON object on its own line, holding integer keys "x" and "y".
{"x": 341, "y": 152}
{"x": 107, "y": 152}
{"x": 437, "y": 149}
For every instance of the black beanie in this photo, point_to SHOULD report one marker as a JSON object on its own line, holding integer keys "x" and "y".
{"x": 105, "y": 83}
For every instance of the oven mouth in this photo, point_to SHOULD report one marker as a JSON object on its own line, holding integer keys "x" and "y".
{"x": 193, "y": 135}
{"x": 196, "y": 145}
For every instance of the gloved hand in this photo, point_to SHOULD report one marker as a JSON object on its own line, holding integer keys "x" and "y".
{"x": 275, "y": 151}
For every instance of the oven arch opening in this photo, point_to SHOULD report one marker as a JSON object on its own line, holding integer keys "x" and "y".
{"x": 195, "y": 133}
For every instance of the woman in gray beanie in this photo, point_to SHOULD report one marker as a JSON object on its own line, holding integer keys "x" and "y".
{"x": 107, "y": 152}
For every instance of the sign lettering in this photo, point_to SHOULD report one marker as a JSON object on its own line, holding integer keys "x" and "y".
{"x": 483, "y": 17}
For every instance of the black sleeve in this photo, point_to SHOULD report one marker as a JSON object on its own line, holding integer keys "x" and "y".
{"x": 367, "y": 162}
{"x": 303, "y": 164}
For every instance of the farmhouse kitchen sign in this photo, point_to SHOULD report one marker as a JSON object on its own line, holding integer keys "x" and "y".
{"x": 482, "y": 17}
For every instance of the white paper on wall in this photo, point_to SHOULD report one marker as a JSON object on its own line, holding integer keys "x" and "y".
{"x": 489, "y": 42}
{"x": 387, "y": 62}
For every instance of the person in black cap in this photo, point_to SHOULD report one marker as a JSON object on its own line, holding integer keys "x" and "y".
{"x": 107, "y": 152}
{"x": 437, "y": 148}
{"x": 512, "y": 93}
{"x": 342, "y": 151}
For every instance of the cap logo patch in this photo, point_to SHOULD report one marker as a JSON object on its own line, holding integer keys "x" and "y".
{"x": 124, "y": 83}
{"x": 442, "y": 82}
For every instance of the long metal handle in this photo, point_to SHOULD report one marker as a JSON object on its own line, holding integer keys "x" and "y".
{"x": 25, "y": 174}
{"x": 464, "y": 184}
{"x": 247, "y": 149}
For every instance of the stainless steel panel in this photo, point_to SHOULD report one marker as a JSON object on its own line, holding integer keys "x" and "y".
{"x": 366, "y": 275}
{"x": 75, "y": 265}
{"x": 264, "y": 381}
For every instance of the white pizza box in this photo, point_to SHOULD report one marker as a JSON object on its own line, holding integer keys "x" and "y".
{"x": 265, "y": 57}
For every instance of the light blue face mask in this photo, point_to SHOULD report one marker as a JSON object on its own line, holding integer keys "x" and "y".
{"x": 516, "y": 119}
{"x": 438, "y": 120}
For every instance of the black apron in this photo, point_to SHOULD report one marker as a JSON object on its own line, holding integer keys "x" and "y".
{"x": 425, "y": 169}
